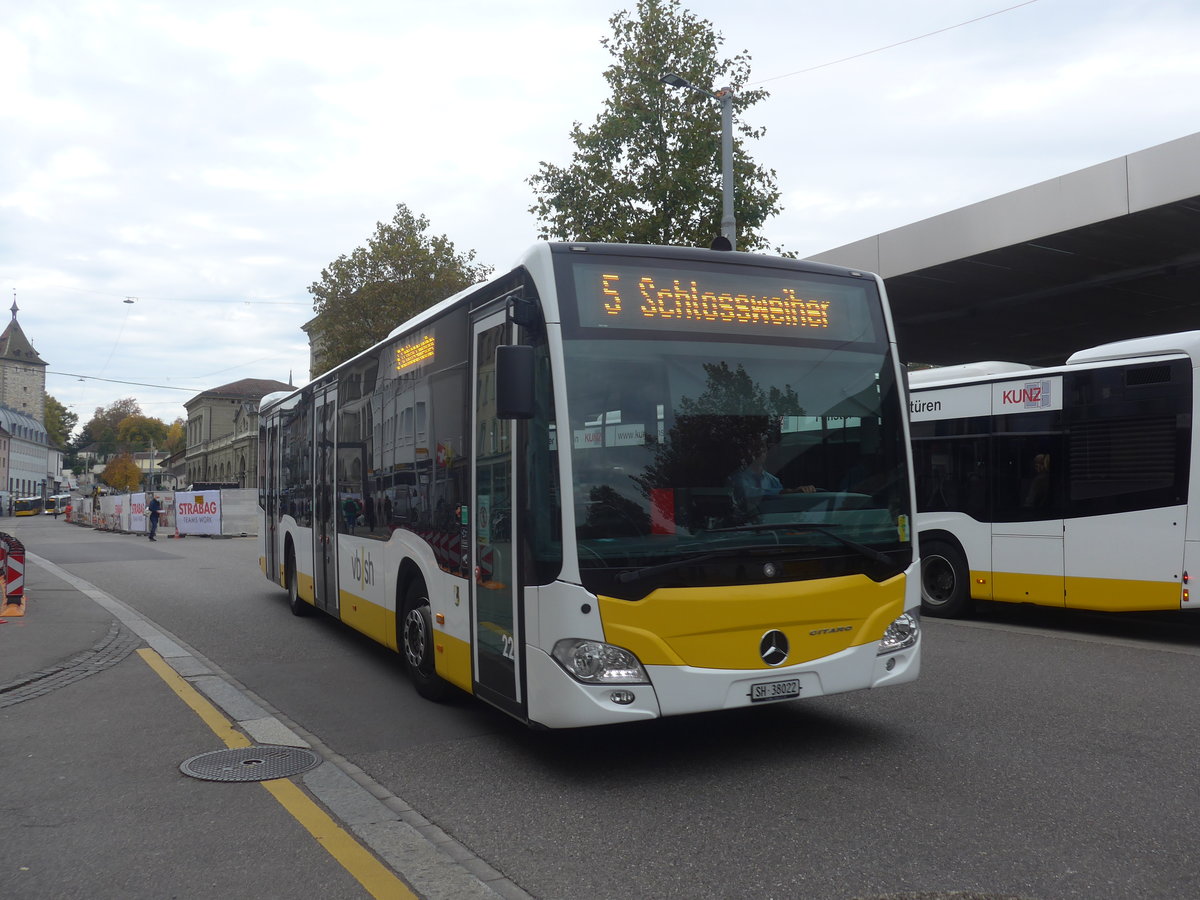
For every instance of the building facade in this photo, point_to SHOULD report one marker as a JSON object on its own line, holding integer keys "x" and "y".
{"x": 29, "y": 456}
{"x": 222, "y": 433}
{"x": 22, "y": 373}
{"x": 30, "y": 465}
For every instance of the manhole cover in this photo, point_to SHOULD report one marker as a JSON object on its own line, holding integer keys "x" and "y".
{"x": 261, "y": 763}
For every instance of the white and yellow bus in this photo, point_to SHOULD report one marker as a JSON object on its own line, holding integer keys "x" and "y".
{"x": 56, "y": 504}
{"x": 1068, "y": 486}
{"x": 539, "y": 490}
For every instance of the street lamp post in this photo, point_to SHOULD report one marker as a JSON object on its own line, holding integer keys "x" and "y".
{"x": 725, "y": 98}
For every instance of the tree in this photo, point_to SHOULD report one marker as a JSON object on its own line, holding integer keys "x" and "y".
{"x": 101, "y": 428}
{"x": 649, "y": 169}
{"x": 60, "y": 422}
{"x": 402, "y": 271}
{"x": 122, "y": 474}
{"x": 719, "y": 431}
{"x": 141, "y": 433}
{"x": 176, "y": 437}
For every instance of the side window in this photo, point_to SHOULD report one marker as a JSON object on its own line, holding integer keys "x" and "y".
{"x": 1127, "y": 463}
{"x": 1028, "y": 466}
{"x": 1130, "y": 438}
{"x": 952, "y": 475}
{"x": 1027, "y": 478}
{"x": 357, "y": 507}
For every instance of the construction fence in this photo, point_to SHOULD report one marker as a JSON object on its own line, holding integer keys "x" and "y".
{"x": 223, "y": 513}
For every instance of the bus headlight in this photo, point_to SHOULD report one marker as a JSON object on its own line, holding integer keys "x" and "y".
{"x": 900, "y": 635}
{"x": 594, "y": 662}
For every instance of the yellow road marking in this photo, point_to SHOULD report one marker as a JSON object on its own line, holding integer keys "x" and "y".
{"x": 379, "y": 881}
{"x": 200, "y": 704}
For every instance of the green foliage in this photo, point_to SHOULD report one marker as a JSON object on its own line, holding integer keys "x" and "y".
{"x": 402, "y": 271}
{"x": 101, "y": 429}
{"x": 649, "y": 168}
{"x": 60, "y": 422}
{"x": 122, "y": 474}
{"x": 141, "y": 433}
{"x": 121, "y": 427}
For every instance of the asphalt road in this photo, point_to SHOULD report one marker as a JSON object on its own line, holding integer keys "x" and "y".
{"x": 1039, "y": 756}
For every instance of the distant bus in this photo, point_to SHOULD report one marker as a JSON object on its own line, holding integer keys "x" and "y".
{"x": 547, "y": 490}
{"x": 57, "y": 503}
{"x": 27, "y": 506}
{"x": 1071, "y": 486}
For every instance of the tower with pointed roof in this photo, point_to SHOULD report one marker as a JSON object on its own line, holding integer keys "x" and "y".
{"x": 22, "y": 372}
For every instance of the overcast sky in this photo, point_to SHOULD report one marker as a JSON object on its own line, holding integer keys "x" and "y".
{"x": 207, "y": 160}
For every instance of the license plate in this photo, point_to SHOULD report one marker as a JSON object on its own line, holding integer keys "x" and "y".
{"x": 775, "y": 690}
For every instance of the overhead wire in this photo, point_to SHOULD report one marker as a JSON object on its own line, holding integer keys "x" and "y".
{"x": 919, "y": 37}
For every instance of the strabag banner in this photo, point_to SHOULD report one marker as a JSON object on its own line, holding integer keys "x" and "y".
{"x": 198, "y": 512}
{"x": 138, "y": 519}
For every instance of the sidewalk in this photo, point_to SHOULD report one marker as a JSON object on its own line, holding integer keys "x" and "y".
{"x": 95, "y": 805}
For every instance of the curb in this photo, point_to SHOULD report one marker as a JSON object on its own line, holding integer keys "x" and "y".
{"x": 438, "y": 866}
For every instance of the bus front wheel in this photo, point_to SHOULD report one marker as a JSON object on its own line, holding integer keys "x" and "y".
{"x": 416, "y": 640}
{"x": 945, "y": 580}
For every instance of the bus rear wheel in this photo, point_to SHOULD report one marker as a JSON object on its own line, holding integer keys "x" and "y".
{"x": 416, "y": 642}
{"x": 945, "y": 580}
{"x": 298, "y": 606}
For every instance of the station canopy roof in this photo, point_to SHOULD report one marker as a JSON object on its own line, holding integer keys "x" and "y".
{"x": 1103, "y": 254}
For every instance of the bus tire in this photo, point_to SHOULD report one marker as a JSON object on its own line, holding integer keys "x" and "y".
{"x": 298, "y": 606}
{"x": 945, "y": 580}
{"x": 416, "y": 643}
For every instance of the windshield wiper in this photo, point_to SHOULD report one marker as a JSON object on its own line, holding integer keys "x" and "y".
{"x": 823, "y": 527}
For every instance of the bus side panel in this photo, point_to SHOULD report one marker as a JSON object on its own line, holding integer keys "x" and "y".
{"x": 1027, "y": 561}
{"x": 365, "y": 602}
{"x": 1126, "y": 561}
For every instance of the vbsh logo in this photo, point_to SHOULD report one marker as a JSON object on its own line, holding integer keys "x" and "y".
{"x": 362, "y": 569}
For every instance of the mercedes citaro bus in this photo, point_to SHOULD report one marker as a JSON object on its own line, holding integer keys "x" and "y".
{"x": 611, "y": 484}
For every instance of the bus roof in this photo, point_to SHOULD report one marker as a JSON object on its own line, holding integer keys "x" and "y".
{"x": 922, "y": 377}
{"x": 539, "y": 256}
{"x": 1185, "y": 342}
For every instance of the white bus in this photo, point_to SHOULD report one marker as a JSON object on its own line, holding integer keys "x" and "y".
{"x": 545, "y": 491}
{"x": 1068, "y": 486}
{"x": 56, "y": 504}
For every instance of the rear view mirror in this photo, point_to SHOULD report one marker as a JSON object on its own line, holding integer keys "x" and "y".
{"x": 514, "y": 382}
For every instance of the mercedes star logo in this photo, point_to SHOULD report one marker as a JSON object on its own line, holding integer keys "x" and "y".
{"x": 773, "y": 648}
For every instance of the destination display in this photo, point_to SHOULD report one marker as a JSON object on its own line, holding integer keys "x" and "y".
{"x": 408, "y": 355}
{"x": 735, "y": 300}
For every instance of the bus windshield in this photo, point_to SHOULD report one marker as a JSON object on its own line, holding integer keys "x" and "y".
{"x": 699, "y": 459}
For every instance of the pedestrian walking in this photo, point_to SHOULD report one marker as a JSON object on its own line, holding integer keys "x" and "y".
{"x": 154, "y": 507}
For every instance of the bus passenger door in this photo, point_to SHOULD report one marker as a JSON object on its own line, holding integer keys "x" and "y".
{"x": 325, "y": 575}
{"x": 496, "y": 623}
{"x": 1027, "y": 521}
